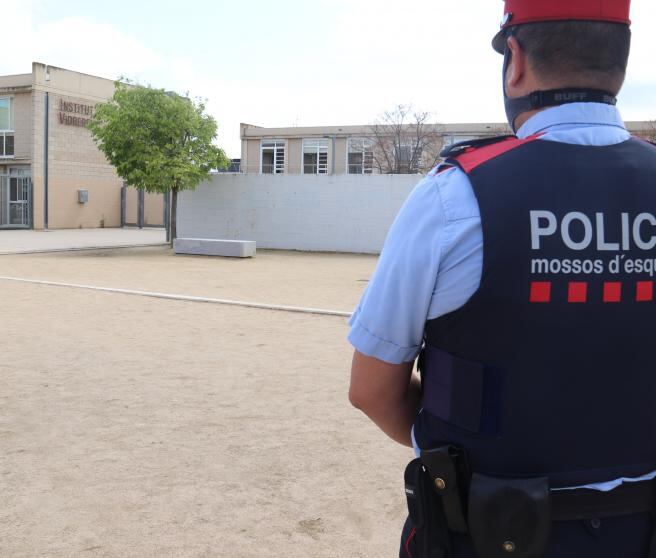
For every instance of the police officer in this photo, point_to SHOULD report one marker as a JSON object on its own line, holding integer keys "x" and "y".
{"x": 521, "y": 271}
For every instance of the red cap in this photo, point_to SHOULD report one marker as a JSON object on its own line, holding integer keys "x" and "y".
{"x": 518, "y": 12}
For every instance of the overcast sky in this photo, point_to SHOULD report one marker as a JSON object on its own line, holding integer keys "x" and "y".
{"x": 297, "y": 62}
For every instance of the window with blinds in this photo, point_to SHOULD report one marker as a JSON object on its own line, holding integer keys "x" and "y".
{"x": 273, "y": 157}
{"x": 6, "y": 128}
{"x": 315, "y": 156}
{"x": 360, "y": 156}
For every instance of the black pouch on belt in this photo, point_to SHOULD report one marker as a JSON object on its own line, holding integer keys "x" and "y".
{"x": 509, "y": 517}
{"x": 426, "y": 513}
{"x": 449, "y": 472}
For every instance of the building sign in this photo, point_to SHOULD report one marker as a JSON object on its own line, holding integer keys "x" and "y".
{"x": 75, "y": 114}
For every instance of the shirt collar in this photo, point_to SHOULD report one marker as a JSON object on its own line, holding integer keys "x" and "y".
{"x": 572, "y": 115}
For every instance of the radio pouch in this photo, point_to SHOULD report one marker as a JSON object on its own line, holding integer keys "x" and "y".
{"x": 426, "y": 514}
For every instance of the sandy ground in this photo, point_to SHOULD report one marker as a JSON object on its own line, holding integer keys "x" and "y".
{"x": 331, "y": 281}
{"x": 132, "y": 426}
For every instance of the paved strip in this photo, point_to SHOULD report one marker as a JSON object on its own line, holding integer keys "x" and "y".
{"x": 81, "y": 249}
{"x": 186, "y": 298}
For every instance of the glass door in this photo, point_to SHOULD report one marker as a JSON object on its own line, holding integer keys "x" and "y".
{"x": 19, "y": 201}
{"x": 4, "y": 200}
{"x": 15, "y": 199}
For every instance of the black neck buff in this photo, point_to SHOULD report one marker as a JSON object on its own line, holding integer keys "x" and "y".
{"x": 550, "y": 98}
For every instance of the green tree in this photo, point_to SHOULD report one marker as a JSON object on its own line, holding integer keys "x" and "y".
{"x": 157, "y": 141}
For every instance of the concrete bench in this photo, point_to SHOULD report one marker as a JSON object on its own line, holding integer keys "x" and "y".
{"x": 212, "y": 247}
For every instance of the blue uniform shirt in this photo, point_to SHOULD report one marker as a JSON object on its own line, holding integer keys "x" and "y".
{"x": 432, "y": 260}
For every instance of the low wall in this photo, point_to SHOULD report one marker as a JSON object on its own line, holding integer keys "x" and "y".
{"x": 349, "y": 213}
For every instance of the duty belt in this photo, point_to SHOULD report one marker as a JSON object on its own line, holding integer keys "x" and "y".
{"x": 630, "y": 497}
{"x": 504, "y": 515}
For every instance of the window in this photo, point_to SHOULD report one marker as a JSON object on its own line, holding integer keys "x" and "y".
{"x": 6, "y": 144}
{"x": 360, "y": 156}
{"x": 5, "y": 114}
{"x": 273, "y": 157}
{"x": 315, "y": 156}
{"x": 404, "y": 152}
{"x": 408, "y": 156}
{"x": 6, "y": 128}
{"x": 451, "y": 139}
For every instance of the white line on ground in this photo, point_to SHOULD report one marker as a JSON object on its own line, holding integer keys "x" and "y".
{"x": 186, "y": 298}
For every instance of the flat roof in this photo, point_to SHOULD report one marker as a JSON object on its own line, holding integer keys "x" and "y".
{"x": 16, "y": 80}
{"x": 52, "y": 67}
{"x": 251, "y": 131}
{"x": 21, "y": 80}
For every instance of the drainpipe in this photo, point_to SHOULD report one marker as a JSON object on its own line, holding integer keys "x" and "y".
{"x": 334, "y": 153}
{"x": 45, "y": 162}
{"x": 167, "y": 215}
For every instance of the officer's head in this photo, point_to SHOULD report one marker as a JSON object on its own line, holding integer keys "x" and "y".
{"x": 590, "y": 54}
{"x": 561, "y": 44}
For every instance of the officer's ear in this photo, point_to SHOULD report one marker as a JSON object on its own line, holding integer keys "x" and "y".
{"x": 518, "y": 80}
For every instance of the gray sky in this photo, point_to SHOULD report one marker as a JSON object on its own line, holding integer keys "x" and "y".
{"x": 295, "y": 62}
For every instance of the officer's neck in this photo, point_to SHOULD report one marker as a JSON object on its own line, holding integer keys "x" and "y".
{"x": 522, "y": 80}
{"x": 525, "y": 116}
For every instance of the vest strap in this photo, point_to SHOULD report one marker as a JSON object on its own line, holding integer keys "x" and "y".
{"x": 453, "y": 391}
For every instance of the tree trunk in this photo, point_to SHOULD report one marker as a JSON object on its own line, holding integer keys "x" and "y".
{"x": 174, "y": 214}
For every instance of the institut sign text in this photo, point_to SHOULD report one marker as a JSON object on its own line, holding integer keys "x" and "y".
{"x": 75, "y": 114}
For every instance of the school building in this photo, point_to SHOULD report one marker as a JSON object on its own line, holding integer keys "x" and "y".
{"x": 341, "y": 150}
{"x": 52, "y": 175}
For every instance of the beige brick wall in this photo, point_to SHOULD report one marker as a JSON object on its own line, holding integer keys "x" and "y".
{"x": 253, "y": 157}
{"x": 74, "y": 160}
{"x": 294, "y": 156}
{"x": 340, "y": 155}
{"x": 76, "y": 163}
{"x": 131, "y": 206}
{"x": 154, "y": 209}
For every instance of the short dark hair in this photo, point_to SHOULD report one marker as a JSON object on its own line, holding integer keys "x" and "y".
{"x": 577, "y": 53}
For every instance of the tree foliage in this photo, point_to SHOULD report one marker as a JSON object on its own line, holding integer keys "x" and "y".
{"x": 156, "y": 140}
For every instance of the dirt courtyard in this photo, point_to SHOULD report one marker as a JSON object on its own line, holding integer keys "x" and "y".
{"x": 133, "y": 426}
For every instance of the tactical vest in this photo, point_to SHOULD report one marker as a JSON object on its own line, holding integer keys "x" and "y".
{"x": 550, "y": 368}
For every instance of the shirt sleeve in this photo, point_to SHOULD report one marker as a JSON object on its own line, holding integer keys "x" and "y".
{"x": 388, "y": 324}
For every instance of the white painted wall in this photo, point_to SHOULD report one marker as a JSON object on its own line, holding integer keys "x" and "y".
{"x": 350, "y": 213}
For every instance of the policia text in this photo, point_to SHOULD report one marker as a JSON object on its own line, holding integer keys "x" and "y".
{"x": 578, "y": 231}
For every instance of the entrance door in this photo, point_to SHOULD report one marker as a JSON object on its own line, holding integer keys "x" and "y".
{"x": 15, "y": 199}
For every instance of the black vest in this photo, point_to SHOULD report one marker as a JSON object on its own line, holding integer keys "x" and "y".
{"x": 550, "y": 368}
